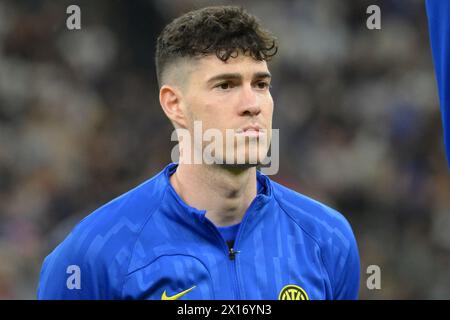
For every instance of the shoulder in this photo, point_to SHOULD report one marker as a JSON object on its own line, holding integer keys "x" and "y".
{"x": 117, "y": 221}
{"x": 331, "y": 232}
{"x": 126, "y": 213}
{"x": 320, "y": 221}
{"x": 101, "y": 245}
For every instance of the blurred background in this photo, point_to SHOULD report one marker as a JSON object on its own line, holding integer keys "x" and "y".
{"x": 357, "y": 109}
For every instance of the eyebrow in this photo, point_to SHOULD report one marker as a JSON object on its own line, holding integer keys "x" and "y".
{"x": 238, "y": 76}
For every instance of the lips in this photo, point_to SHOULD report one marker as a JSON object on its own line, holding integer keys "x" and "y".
{"x": 250, "y": 128}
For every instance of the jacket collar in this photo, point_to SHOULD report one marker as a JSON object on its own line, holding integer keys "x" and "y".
{"x": 178, "y": 209}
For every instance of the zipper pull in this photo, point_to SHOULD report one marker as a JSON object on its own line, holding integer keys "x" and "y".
{"x": 231, "y": 251}
{"x": 232, "y": 254}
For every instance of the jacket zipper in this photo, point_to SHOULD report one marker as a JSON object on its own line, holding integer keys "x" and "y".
{"x": 232, "y": 259}
{"x": 231, "y": 252}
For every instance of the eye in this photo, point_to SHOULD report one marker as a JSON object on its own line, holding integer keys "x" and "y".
{"x": 263, "y": 85}
{"x": 224, "y": 86}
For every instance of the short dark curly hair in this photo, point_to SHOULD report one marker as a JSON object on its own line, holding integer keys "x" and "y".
{"x": 221, "y": 30}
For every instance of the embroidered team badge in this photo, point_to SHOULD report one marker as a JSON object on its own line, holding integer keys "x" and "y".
{"x": 292, "y": 292}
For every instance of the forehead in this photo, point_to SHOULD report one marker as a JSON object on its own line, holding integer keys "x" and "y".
{"x": 210, "y": 65}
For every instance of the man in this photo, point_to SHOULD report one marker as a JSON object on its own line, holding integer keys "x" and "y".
{"x": 210, "y": 231}
{"x": 438, "y": 13}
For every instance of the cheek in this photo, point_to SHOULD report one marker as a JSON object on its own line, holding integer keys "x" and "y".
{"x": 197, "y": 108}
{"x": 211, "y": 114}
{"x": 268, "y": 108}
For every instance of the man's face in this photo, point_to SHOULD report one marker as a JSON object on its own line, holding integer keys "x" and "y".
{"x": 231, "y": 95}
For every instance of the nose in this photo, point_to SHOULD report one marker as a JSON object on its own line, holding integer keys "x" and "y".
{"x": 249, "y": 104}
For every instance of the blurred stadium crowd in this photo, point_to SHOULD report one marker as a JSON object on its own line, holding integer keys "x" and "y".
{"x": 357, "y": 109}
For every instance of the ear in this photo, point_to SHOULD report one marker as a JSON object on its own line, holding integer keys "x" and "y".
{"x": 170, "y": 99}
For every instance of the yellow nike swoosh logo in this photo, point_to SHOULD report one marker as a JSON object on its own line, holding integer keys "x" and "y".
{"x": 175, "y": 297}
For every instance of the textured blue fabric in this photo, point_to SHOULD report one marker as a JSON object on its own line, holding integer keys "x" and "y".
{"x": 438, "y": 12}
{"x": 148, "y": 242}
{"x": 229, "y": 232}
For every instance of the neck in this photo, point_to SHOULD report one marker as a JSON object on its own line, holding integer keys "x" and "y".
{"x": 224, "y": 192}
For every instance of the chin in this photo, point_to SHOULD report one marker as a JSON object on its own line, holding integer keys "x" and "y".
{"x": 239, "y": 167}
{"x": 246, "y": 160}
